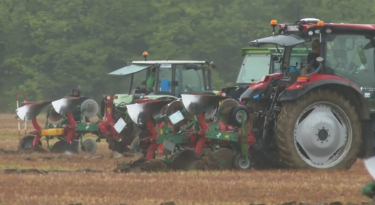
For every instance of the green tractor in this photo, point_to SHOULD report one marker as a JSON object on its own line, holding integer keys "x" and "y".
{"x": 259, "y": 62}
{"x": 159, "y": 80}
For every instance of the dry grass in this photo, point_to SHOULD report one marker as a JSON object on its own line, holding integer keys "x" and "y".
{"x": 153, "y": 188}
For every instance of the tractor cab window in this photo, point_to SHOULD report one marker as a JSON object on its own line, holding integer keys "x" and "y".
{"x": 297, "y": 58}
{"x": 352, "y": 57}
{"x": 140, "y": 81}
{"x": 165, "y": 79}
{"x": 190, "y": 79}
{"x": 254, "y": 67}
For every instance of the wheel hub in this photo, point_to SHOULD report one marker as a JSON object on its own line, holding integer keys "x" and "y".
{"x": 243, "y": 162}
{"x": 239, "y": 115}
{"x": 323, "y": 134}
{"x": 320, "y": 132}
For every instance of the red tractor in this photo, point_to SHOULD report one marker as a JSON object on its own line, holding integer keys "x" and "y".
{"x": 320, "y": 117}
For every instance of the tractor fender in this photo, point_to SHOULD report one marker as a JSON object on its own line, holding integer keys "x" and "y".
{"x": 348, "y": 90}
{"x": 261, "y": 90}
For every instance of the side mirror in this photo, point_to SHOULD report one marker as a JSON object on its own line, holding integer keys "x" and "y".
{"x": 319, "y": 59}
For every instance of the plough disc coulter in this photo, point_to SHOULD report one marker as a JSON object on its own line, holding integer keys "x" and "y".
{"x": 180, "y": 130}
{"x": 65, "y": 127}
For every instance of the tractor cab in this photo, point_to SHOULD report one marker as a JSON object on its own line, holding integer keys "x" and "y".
{"x": 321, "y": 115}
{"x": 258, "y": 62}
{"x": 164, "y": 79}
{"x": 346, "y": 51}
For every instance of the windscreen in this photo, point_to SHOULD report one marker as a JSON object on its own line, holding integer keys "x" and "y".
{"x": 352, "y": 57}
{"x": 253, "y": 68}
{"x": 189, "y": 80}
{"x": 296, "y": 61}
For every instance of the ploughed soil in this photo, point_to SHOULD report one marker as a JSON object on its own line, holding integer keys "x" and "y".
{"x": 45, "y": 178}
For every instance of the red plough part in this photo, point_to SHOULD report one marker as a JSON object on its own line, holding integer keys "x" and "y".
{"x": 164, "y": 131}
{"x": 70, "y": 129}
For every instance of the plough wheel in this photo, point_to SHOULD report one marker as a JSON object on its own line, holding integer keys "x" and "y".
{"x": 89, "y": 146}
{"x": 241, "y": 163}
{"x": 225, "y": 157}
{"x": 26, "y": 144}
{"x": 59, "y": 147}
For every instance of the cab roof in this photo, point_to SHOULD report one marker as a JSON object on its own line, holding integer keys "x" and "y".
{"x": 272, "y": 50}
{"x": 138, "y": 66}
{"x": 168, "y": 62}
{"x": 303, "y": 30}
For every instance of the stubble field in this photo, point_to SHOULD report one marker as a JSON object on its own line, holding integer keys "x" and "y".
{"x": 107, "y": 187}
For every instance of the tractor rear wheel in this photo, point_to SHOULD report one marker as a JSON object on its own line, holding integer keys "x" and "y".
{"x": 26, "y": 144}
{"x": 321, "y": 130}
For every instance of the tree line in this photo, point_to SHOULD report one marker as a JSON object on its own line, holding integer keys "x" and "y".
{"x": 47, "y": 47}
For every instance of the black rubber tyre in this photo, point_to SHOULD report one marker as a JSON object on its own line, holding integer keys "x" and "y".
{"x": 236, "y": 120}
{"x": 289, "y": 115}
{"x": 59, "y": 147}
{"x": 26, "y": 144}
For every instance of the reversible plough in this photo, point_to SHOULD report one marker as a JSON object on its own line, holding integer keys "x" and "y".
{"x": 179, "y": 129}
{"x": 66, "y": 129}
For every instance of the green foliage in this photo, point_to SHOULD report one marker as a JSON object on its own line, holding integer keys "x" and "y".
{"x": 51, "y": 46}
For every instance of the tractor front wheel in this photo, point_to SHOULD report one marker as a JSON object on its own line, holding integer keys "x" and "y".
{"x": 320, "y": 130}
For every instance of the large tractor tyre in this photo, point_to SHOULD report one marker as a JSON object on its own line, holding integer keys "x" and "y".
{"x": 321, "y": 130}
{"x": 26, "y": 144}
